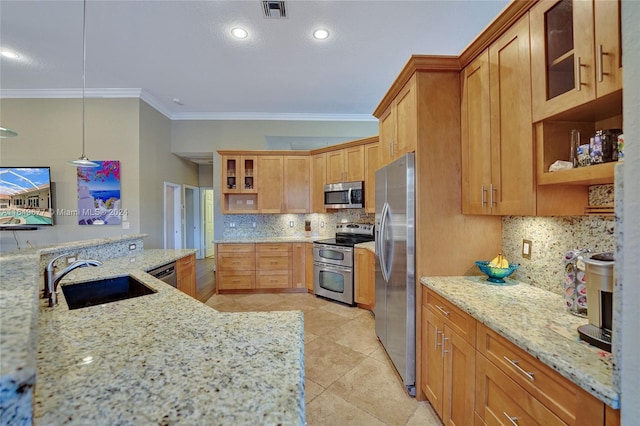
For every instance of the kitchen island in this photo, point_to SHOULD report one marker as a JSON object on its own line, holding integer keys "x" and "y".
{"x": 163, "y": 358}
{"x": 536, "y": 321}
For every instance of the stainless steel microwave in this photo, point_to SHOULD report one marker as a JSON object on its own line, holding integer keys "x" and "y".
{"x": 345, "y": 195}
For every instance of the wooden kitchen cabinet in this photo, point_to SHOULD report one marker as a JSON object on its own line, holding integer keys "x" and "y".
{"x": 186, "y": 275}
{"x": 318, "y": 180}
{"x": 235, "y": 267}
{"x": 576, "y": 54}
{"x": 345, "y": 165}
{"x": 308, "y": 257}
{"x": 398, "y": 125}
{"x": 296, "y": 184}
{"x": 270, "y": 185}
{"x": 273, "y": 266}
{"x": 239, "y": 183}
{"x": 448, "y": 364}
{"x": 299, "y": 265}
{"x": 365, "y": 278}
{"x": 371, "y": 162}
{"x": 497, "y": 137}
{"x": 511, "y": 381}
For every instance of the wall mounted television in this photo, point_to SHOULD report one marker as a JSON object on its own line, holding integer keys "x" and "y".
{"x": 26, "y": 200}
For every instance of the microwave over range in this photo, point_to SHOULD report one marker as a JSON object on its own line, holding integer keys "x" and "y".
{"x": 344, "y": 195}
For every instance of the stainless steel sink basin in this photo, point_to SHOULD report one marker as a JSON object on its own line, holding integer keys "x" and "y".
{"x": 93, "y": 293}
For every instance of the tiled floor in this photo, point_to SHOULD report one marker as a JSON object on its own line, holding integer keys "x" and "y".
{"x": 349, "y": 380}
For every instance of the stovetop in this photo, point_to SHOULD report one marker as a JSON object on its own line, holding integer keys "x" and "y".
{"x": 350, "y": 234}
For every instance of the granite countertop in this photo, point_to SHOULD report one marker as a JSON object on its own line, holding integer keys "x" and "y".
{"x": 536, "y": 321}
{"x": 249, "y": 240}
{"x": 370, "y": 245}
{"x": 166, "y": 358}
{"x": 163, "y": 358}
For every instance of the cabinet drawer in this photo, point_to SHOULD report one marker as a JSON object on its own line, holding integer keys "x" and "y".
{"x": 459, "y": 321}
{"x": 273, "y": 279}
{"x": 273, "y": 248}
{"x": 565, "y": 399}
{"x": 234, "y": 248}
{"x": 235, "y": 262}
{"x": 499, "y": 399}
{"x": 233, "y": 280}
{"x": 273, "y": 262}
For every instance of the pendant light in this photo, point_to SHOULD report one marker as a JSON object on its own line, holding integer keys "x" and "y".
{"x": 7, "y": 133}
{"x": 83, "y": 161}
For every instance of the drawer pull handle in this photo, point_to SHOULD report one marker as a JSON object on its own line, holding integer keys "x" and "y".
{"x": 441, "y": 309}
{"x": 514, "y": 362}
{"x": 436, "y": 339}
{"x": 513, "y": 420}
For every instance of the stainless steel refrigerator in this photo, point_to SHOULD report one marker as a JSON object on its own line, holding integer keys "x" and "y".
{"x": 395, "y": 314}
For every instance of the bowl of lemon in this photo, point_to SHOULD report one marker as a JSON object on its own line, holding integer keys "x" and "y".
{"x": 497, "y": 269}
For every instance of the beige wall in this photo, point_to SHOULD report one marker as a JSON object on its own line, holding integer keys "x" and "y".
{"x": 158, "y": 165}
{"x": 50, "y": 134}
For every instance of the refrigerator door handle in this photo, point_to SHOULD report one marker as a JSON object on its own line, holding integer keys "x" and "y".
{"x": 384, "y": 230}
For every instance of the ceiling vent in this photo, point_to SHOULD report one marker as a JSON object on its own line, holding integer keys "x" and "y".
{"x": 274, "y": 9}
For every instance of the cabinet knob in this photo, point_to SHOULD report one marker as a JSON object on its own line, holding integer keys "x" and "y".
{"x": 512, "y": 419}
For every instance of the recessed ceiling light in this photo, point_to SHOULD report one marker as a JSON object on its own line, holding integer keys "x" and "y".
{"x": 239, "y": 32}
{"x": 9, "y": 54}
{"x": 320, "y": 34}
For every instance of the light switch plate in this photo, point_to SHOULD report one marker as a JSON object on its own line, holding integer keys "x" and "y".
{"x": 526, "y": 249}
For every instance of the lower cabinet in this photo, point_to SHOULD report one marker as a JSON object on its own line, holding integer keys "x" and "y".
{"x": 186, "y": 274}
{"x": 448, "y": 365}
{"x": 308, "y": 257}
{"x": 471, "y": 375}
{"x": 260, "y": 267}
{"x": 365, "y": 278}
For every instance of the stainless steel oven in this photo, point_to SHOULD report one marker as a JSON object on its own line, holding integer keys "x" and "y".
{"x": 333, "y": 262}
{"x": 333, "y": 272}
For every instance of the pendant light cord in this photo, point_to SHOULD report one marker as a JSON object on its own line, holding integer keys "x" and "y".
{"x": 84, "y": 64}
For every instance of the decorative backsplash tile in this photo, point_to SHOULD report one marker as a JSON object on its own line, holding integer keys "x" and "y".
{"x": 553, "y": 236}
{"x": 278, "y": 225}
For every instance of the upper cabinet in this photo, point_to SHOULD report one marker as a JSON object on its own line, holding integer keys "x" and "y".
{"x": 318, "y": 180}
{"x": 398, "y": 125}
{"x": 239, "y": 174}
{"x": 497, "y": 139}
{"x": 371, "y": 161}
{"x": 345, "y": 165}
{"x": 296, "y": 183}
{"x": 575, "y": 54}
{"x": 270, "y": 187}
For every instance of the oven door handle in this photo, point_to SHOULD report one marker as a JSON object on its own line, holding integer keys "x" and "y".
{"x": 328, "y": 267}
{"x": 383, "y": 235}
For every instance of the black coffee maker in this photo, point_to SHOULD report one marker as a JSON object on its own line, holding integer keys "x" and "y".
{"x": 600, "y": 277}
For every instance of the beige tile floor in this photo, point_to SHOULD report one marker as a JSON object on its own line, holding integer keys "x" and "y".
{"x": 349, "y": 379}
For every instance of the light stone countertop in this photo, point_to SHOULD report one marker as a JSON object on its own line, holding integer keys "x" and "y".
{"x": 249, "y": 240}
{"x": 535, "y": 320}
{"x": 152, "y": 359}
{"x": 166, "y": 358}
{"x": 370, "y": 245}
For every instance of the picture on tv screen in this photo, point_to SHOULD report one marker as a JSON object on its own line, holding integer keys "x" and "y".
{"x": 25, "y": 196}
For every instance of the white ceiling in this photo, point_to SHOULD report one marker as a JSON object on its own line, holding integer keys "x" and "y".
{"x": 163, "y": 50}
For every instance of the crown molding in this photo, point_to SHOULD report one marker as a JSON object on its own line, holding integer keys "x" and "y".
{"x": 258, "y": 116}
{"x": 161, "y": 108}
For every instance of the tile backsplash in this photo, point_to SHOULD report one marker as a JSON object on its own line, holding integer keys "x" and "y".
{"x": 553, "y": 236}
{"x": 278, "y": 225}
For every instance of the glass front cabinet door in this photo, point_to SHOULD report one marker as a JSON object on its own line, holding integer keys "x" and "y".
{"x": 575, "y": 53}
{"x": 239, "y": 174}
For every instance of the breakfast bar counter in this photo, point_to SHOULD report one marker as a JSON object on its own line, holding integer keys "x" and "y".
{"x": 536, "y": 321}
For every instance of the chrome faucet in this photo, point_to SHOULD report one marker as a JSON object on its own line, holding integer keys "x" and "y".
{"x": 53, "y": 278}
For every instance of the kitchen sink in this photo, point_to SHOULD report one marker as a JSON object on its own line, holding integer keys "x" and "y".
{"x": 93, "y": 293}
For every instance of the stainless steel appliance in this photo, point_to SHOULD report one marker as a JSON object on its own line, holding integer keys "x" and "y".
{"x": 166, "y": 273}
{"x": 333, "y": 262}
{"x": 345, "y": 195}
{"x": 600, "y": 273}
{"x": 395, "y": 315}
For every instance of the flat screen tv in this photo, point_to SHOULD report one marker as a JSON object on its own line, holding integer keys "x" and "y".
{"x": 25, "y": 197}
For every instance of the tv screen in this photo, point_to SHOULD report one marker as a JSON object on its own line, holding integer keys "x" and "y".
{"x": 25, "y": 196}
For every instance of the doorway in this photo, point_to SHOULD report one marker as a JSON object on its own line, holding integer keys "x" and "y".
{"x": 192, "y": 233}
{"x": 207, "y": 221}
{"x": 172, "y": 216}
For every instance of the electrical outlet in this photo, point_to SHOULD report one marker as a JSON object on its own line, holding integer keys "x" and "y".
{"x": 71, "y": 258}
{"x": 253, "y": 224}
{"x": 322, "y": 224}
{"x": 232, "y": 224}
{"x": 526, "y": 249}
{"x": 132, "y": 246}
{"x": 291, "y": 224}
{"x": 125, "y": 225}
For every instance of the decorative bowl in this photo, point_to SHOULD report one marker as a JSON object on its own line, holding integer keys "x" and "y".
{"x": 496, "y": 275}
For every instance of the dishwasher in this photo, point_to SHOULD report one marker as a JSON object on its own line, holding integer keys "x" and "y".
{"x": 166, "y": 273}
